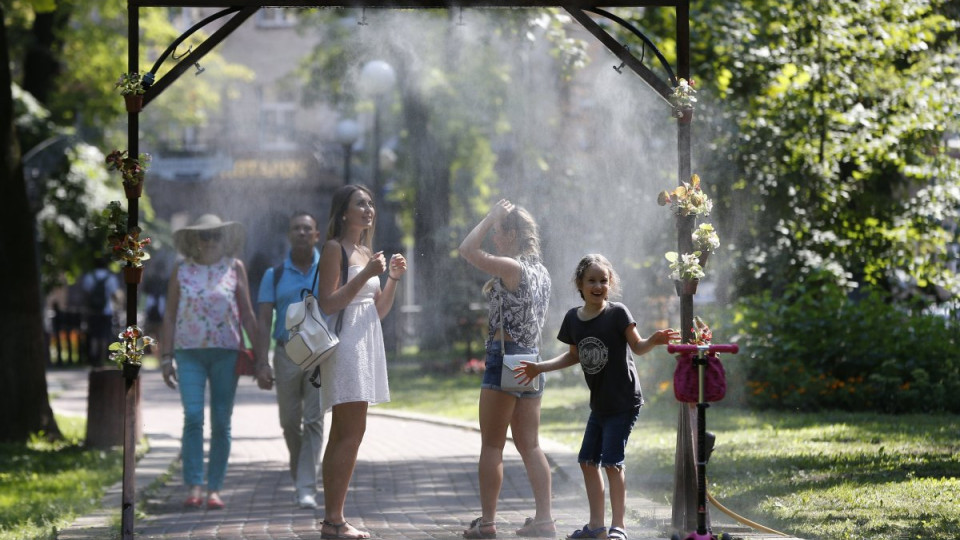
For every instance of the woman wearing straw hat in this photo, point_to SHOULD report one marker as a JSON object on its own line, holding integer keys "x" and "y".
{"x": 207, "y": 300}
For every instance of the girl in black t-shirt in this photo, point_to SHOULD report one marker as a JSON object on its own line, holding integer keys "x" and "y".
{"x": 602, "y": 335}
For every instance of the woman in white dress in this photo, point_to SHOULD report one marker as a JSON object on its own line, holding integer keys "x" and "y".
{"x": 356, "y": 376}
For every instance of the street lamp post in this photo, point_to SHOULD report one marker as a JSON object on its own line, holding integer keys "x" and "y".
{"x": 348, "y": 131}
{"x": 376, "y": 79}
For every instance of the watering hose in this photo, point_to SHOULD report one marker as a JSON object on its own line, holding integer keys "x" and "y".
{"x": 741, "y": 519}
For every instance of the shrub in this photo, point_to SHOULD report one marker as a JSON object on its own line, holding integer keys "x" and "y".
{"x": 820, "y": 348}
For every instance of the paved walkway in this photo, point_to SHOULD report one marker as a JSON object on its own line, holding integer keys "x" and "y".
{"x": 415, "y": 478}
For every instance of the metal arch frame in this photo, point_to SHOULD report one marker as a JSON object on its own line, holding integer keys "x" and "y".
{"x": 661, "y": 88}
{"x": 242, "y": 10}
{"x": 192, "y": 57}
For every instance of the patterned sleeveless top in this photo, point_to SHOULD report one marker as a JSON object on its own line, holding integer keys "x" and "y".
{"x": 207, "y": 314}
{"x": 525, "y": 310}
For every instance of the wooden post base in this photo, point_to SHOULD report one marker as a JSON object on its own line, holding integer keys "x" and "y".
{"x": 105, "y": 408}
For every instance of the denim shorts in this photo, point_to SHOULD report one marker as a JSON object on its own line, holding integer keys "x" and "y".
{"x": 494, "y": 367}
{"x": 605, "y": 438}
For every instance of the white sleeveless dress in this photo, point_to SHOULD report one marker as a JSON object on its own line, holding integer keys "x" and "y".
{"x": 358, "y": 370}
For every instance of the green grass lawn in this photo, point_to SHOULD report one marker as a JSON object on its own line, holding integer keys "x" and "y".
{"x": 44, "y": 486}
{"x": 823, "y": 476}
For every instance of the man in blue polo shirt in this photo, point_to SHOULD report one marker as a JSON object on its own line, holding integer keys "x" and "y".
{"x": 301, "y": 414}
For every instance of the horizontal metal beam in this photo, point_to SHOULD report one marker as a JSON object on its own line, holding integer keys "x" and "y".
{"x": 401, "y": 4}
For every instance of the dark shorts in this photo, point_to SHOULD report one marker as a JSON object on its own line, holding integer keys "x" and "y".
{"x": 494, "y": 367}
{"x": 605, "y": 438}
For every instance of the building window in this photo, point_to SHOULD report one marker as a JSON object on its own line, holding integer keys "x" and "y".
{"x": 277, "y": 125}
{"x": 275, "y": 18}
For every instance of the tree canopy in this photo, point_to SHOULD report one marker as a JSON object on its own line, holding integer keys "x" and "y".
{"x": 60, "y": 109}
{"x": 830, "y": 133}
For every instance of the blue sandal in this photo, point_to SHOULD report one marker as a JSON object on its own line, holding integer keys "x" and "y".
{"x": 587, "y": 532}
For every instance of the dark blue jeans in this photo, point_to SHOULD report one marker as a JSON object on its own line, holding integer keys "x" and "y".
{"x": 605, "y": 438}
{"x": 494, "y": 368}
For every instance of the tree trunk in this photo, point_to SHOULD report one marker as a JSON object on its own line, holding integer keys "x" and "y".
{"x": 23, "y": 386}
{"x": 432, "y": 260}
{"x": 40, "y": 66}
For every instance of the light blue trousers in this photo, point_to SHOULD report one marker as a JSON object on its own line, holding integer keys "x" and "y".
{"x": 194, "y": 368}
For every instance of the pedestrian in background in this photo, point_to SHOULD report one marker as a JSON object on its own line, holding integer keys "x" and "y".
{"x": 207, "y": 300}
{"x": 518, "y": 294}
{"x": 101, "y": 290}
{"x": 298, "y": 400}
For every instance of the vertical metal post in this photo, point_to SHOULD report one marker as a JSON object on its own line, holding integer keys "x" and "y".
{"x": 375, "y": 158}
{"x": 702, "y": 405}
{"x": 347, "y": 154}
{"x": 685, "y": 467}
{"x": 385, "y": 219}
{"x": 131, "y": 389}
{"x": 684, "y": 224}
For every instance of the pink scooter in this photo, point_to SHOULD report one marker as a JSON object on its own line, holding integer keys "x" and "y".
{"x": 700, "y": 360}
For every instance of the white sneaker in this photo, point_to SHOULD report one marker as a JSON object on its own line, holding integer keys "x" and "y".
{"x": 307, "y": 502}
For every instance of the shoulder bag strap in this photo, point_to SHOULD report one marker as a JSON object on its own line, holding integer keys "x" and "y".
{"x": 313, "y": 284}
{"x": 343, "y": 281}
{"x": 315, "y": 376}
{"x": 277, "y": 274}
{"x": 503, "y": 347}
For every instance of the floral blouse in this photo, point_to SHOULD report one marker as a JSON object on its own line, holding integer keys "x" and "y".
{"x": 525, "y": 310}
{"x": 207, "y": 314}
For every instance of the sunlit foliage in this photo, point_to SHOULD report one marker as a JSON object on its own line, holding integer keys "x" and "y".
{"x": 830, "y": 129}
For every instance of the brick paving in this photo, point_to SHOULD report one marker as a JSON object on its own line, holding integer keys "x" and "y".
{"x": 415, "y": 479}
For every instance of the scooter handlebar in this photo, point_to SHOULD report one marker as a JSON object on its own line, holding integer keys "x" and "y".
{"x": 732, "y": 348}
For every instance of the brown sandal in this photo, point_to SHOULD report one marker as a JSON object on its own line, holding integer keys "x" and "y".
{"x": 538, "y": 529}
{"x": 477, "y": 524}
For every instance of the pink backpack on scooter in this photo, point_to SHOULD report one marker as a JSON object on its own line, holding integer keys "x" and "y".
{"x": 686, "y": 383}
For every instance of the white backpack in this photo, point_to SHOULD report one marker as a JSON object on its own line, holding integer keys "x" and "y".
{"x": 310, "y": 340}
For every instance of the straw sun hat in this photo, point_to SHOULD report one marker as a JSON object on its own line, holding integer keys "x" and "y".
{"x": 187, "y": 239}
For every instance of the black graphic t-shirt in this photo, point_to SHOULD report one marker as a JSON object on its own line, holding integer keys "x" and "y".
{"x": 605, "y": 357}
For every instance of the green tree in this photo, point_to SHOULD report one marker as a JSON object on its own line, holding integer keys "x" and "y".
{"x": 834, "y": 118}
{"x": 25, "y": 401}
{"x": 69, "y": 112}
{"x": 823, "y": 130}
{"x": 65, "y": 55}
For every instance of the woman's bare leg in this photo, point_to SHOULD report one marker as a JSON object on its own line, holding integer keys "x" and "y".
{"x": 348, "y": 425}
{"x": 526, "y": 436}
{"x": 496, "y": 409}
